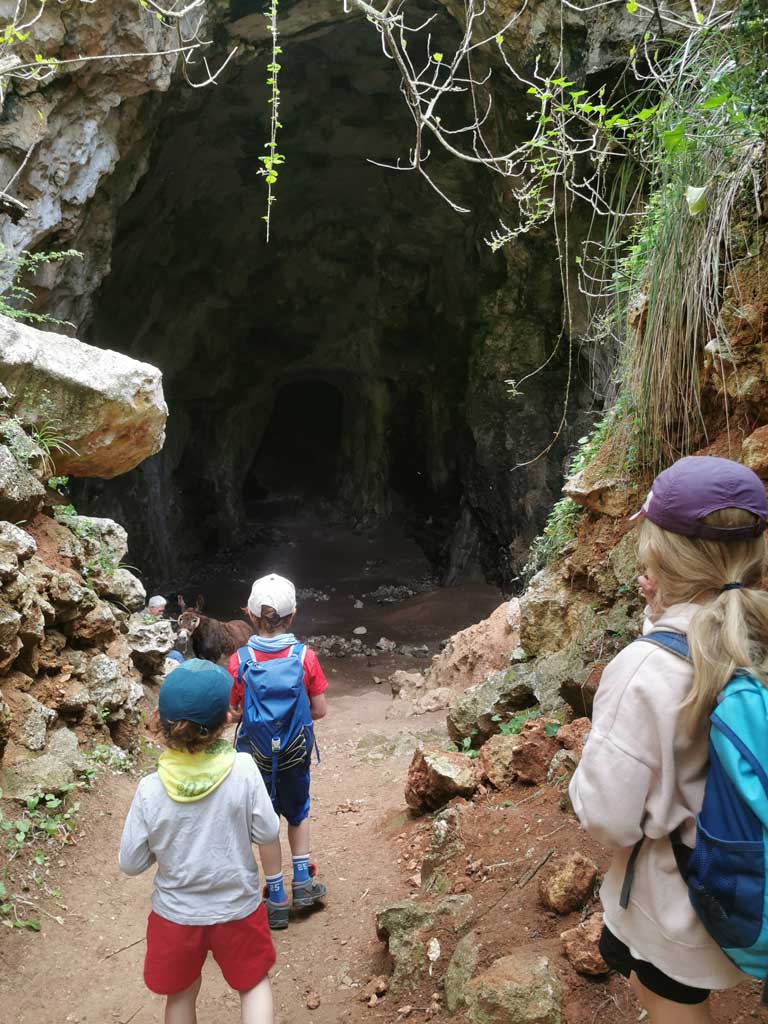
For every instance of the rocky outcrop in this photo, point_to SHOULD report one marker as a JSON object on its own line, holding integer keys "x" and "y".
{"x": 436, "y": 776}
{"x": 67, "y": 671}
{"x": 405, "y": 929}
{"x": 103, "y": 412}
{"x": 473, "y": 654}
{"x": 477, "y": 713}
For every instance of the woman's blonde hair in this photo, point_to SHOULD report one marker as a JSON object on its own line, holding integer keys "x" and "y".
{"x": 730, "y": 630}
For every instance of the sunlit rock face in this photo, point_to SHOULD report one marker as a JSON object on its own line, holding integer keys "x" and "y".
{"x": 356, "y": 363}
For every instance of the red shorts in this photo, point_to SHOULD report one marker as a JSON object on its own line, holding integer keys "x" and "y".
{"x": 176, "y": 952}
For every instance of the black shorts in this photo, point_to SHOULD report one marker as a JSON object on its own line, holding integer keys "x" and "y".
{"x": 619, "y": 958}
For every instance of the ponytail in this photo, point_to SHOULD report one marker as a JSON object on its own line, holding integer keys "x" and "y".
{"x": 730, "y": 629}
{"x": 269, "y": 621}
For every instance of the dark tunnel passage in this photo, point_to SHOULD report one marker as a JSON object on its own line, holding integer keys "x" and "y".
{"x": 300, "y": 450}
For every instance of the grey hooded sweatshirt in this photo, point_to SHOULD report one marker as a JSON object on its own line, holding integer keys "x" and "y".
{"x": 201, "y": 838}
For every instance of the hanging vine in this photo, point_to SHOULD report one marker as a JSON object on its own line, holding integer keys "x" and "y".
{"x": 273, "y": 158}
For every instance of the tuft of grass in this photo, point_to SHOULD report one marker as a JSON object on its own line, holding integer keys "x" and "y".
{"x": 702, "y": 161}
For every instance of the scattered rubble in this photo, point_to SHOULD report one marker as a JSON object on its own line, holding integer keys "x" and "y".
{"x": 570, "y": 885}
{"x": 334, "y": 646}
{"x": 312, "y": 594}
{"x": 581, "y": 946}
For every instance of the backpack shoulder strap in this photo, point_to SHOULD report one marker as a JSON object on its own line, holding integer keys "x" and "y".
{"x": 243, "y": 657}
{"x": 300, "y": 650}
{"x": 675, "y": 643}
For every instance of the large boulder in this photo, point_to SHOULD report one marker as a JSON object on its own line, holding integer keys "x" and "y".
{"x": 436, "y": 776}
{"x": 552, "y": 614}
{"x": 476, "y": 713}
{"x": 106, "y": 409}
{"x": 517, "y": 989}
{"x": 31, "y": 720}
{"x": 446, "y": 846}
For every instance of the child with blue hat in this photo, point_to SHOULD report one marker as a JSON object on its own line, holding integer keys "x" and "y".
{"x": 187, "y": 818}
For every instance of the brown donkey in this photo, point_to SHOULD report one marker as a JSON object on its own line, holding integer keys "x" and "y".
{"x": 210, "y": 638}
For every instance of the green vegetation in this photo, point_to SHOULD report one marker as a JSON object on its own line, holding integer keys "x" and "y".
{"x": 273, "y": 159}
{"x": 16, "y": 295}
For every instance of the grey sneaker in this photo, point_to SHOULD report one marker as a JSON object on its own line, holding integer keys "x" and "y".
{"x": 307, "y": 894}
{"x": 277, "y": 914}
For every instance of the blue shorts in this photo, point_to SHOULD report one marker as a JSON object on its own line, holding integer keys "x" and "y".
{"x": 292, "y": 795}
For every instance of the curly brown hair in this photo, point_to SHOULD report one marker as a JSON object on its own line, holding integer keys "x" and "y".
{"x": 185, "y": 735}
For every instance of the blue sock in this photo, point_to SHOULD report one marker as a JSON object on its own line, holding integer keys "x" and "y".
{"x": 275, "y": 888}
{"x": 301, "y": 869}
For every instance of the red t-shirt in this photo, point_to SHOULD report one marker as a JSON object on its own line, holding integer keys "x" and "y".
{"x": 315, "y": 682}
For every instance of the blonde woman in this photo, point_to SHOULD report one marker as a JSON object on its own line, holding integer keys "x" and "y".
{"x": 642, "y": 776}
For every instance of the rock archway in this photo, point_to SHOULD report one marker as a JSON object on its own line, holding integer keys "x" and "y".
{"x": 373, "y": 292}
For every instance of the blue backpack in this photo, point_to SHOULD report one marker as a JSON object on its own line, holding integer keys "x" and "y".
{"x": 726, "y": 870}
{"x": 276, "y": 728}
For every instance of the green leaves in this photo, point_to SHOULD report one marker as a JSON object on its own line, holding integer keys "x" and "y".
{"x": 632, "y": 6}
{"x": 696, "y": 199}
{"x": 674, "y": 140}
{"x": 551, "y": 729}
{"x": 437, "y": 57}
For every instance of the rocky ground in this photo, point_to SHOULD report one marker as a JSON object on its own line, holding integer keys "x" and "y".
{"x": 471, "y": 902}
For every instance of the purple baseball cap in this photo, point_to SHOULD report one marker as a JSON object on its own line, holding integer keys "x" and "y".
{"x": 693, "y": 487}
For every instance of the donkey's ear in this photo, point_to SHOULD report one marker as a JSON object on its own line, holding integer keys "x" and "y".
{"x": 199, "y": 602}
{"x": 182, "y": 603}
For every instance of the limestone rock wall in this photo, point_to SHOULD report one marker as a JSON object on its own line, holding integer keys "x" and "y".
{"x": 75, "y": 650}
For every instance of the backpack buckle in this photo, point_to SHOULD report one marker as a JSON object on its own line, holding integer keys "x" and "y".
{"x": 275, "y": 744}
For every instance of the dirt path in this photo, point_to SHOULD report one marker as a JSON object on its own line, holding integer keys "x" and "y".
{"x": 88, "y": 969}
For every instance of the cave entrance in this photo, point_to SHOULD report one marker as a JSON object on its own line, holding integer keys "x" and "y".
{"x": 299, "y": 453}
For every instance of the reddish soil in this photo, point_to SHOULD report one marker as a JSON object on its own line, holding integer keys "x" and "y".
{"x": 505, "y": 834}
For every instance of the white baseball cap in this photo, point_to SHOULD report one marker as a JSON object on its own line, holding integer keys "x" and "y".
{"x": 158, "y": 601}
{"x": 275, "y": 592}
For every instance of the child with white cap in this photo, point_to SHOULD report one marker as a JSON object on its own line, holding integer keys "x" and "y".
{"x": 279, "y": 691}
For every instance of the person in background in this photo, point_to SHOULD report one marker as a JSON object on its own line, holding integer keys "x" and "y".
{"x": 642, "y": 777}
{"x": 196, "y": 818}
{"x": 279, "y": 668}
{"x": 156, "y": 606}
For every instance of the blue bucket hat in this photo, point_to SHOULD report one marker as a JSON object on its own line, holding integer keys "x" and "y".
{"x": 197, "y": 691}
